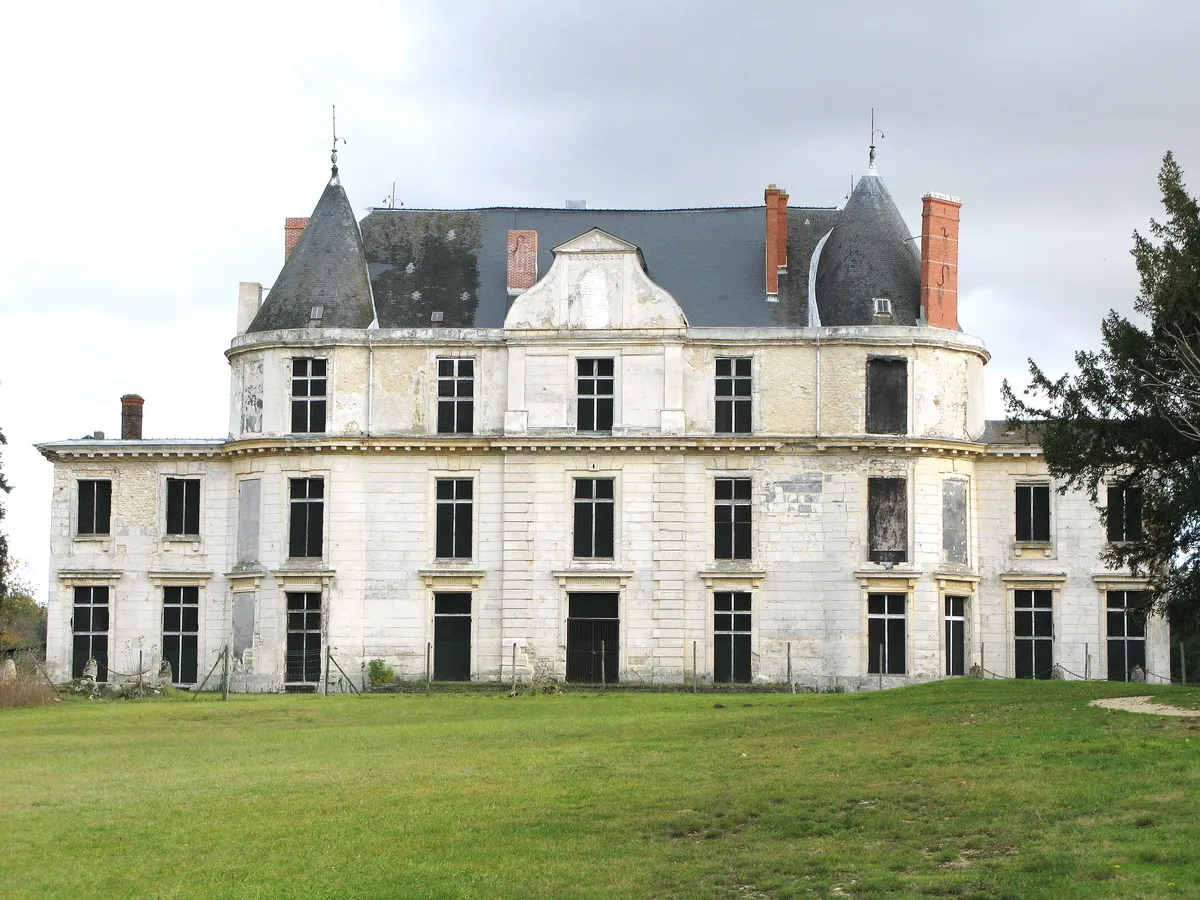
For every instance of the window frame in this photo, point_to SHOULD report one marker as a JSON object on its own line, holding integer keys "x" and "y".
{"x": 1039, "y": 615}
{"x": 725, "y": 606}
{"x": 1118, "y": 528}
{"x": 307, "y": 400}
{"x": 884, "y": 617}
{"x": 595, "y": 407}
{"x": 450, "y": 406}
{"x": 733, "y": 539}
{"x": 181, "y": 593}
{"x": 739, "y": 407}
{"x": 91, "y": 529}
{"x": 307, "y": 610}
{"x": 876, "y": 418}
{"x": 454, "y": 514}
{"x": 876, "y": 530}
{"x": 587, "y": 530}
{"x": 1125, "y": 639}
{"x": 1032, "y": 537}
{"x": 306, "y": 503}
{"x": 91, "y": 632}
{"x": 185, "y": 483}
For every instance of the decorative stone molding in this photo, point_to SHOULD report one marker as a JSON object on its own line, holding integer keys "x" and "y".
{"x": 451, "y": 578}
{"x": 162, "y": 577}
{"x": 886, "y": 581}
{"x": 718, "y": 579}
{"x": 602, "y": 579}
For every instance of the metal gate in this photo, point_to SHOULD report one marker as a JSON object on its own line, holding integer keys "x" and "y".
{"x": 452, "y": 637}
{"x": 593, "y": 641}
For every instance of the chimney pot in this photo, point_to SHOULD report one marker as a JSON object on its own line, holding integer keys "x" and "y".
{"x": 131, "y": 417}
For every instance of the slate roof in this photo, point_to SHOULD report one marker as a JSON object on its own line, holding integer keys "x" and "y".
{"x": 327, "y": 268}
{"x": 869, "y": 254}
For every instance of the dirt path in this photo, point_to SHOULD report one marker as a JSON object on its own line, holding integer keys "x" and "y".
{"x": 1143, "y": 705}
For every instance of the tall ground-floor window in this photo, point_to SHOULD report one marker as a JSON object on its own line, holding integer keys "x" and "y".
{"x": 1034, "y": 631}
{"x": 593, "y": 642}
{"x": 303, "y": 638}
{"x": 89, "y": 622}
{"x": 731, "y": 636}
{"x": 885, "y": 634}
{"x": 181, "y": 625}
{"x": 1126, "y": 635}
{"x": 956, "y": 635}
{"x": 452, "y": 637}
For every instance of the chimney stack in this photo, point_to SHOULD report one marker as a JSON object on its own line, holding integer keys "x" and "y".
{"x": 522, "y": 261}
{"x": 249, "y": 301}
{"x": 292, "y": 229}
{"x": 131, "y": 417}
{"x": 939, "y": 260}
{"x": 776, "y": 201}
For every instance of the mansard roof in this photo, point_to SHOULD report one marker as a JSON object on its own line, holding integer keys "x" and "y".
{"x": 870, "y": 254}
{"x": 327, "y": 269}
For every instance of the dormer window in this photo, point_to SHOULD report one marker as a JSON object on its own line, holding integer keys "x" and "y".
{"x": 883, "y": 306}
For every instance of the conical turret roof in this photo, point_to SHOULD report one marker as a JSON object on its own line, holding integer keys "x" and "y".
{"x": 326, "y": 269}
{"x": 869, "y": 254}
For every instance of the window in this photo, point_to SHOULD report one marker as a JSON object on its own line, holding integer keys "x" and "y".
{"x": 594, "y": 518}
{"x": 887, "y": 520}
{"x": 731, "y": 637}
{"x": 1126, "y": 634}
{"x": 89, "y": 622}
{"x": 956, "y": 635}
{"x": 306, "y": 537}
{"x": 593, "y": 638}
{"x": 454, "y": 518}
{"x": 308, "y": 395}
{"x": 733, "y": 395}
{"x": 95, "y": 506}
{"x": 732, "y": 519}
{"x": 1124, "y": 513}
{"x": 303, "y": 662}
{"x": 183, "y": 506}
{"x": 885, "y": 634}
{"x": 954, "y": 521}
{"x": 452, "y": 637}
{"x": 1034, "y": 630}
{"x": 456, "y": 396}
{"x": 595, "y": 392}
{"x": 1033, "y": 513}
{"x": 887, "y": 396}
{"x": 181, "y": 625}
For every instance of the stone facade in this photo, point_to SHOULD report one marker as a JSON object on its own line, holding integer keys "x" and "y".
{"x": 834, "y": 593}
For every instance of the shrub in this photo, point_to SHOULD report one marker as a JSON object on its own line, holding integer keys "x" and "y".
{"x": 379, "y": 672}
{"x": 24, "y": 690}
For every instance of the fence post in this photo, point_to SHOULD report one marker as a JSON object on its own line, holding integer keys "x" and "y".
{"x": 1182, "y": 665}
{"x": 139, "y": 687}
{"x": 325, "y": 686}
{"x": 982, "y": 661}
{"x": 428, "y": 666}
{"x": 1087, "y": 663}
{"x": 791, "y": 683}
{"x": 881, "y": 665}
{"x": 695, "y": 676}
{"x": 514, "y": 689}
{"x": 226, "y": 694}
{"x": 602, "y": 678}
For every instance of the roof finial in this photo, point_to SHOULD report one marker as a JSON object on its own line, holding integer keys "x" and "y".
{"x": 333, "y": 155}
{"x": 874, "y": 131}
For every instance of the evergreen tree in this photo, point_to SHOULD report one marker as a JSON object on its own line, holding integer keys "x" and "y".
{"x": 1132, "y": 410}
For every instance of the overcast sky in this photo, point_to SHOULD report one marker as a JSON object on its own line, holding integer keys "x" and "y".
{"x": 151, "y": 152}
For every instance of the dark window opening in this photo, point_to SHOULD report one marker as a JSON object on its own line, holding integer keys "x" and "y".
{"x": 181, "y": 628}
{"x": 308, "y": 395}
{"x": 454, "y": 518}
{"x": 594, "y": 504}
{"x": 183, "y": 506}
{"x": 885, "y": 634}
{"x": 887, "y": 396}
{"x": 887, "y": 520}
{"x": 456, "y": 396}
{"x": 593, "y": 642}
{"x": 1126, "y": 634}
{"x": 306, "y": 534}
{"x": 1124, "y": 513}
{"x": 732, "y": 520}
{"x": 594, "y": 390}
{"x": 89, "y": 624}
{"x": 956, "y": 635}
{"x": 303, "y": 663}
{"x": 733, "y": 390}
{"x": 1034, "y": 630}
{"x": 731, "y": 637}
{"x": 1033, "y": 513}
{"x": 95, "y": 506}
{"x": 452, "y": 637}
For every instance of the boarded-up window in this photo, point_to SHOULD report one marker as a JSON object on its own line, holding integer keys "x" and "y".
{"x": 887, "y": 520}
{"x": 243, "y": 623}
{"x": 954, "y": 521}
{"x": 249, "y": 495}
{"x": 1124, "y": 513}
{"x": 887, "y": 396}
{"x": 1033, "y": 513}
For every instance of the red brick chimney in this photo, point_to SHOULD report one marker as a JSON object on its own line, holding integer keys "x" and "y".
{"x": 776, "y": 202}
{"x": 131, "y": 417}
{"x": 939, "y": 260}
{"x": 522, "y": 260}
{"x": 292, "y": 229}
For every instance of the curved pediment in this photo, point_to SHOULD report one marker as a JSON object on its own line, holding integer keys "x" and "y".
{"x": 597, "y": 281}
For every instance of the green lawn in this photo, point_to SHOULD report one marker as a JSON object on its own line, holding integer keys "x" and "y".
{"x": 966, "y": 788}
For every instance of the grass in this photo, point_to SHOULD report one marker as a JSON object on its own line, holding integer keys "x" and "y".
{"x": 962, "y": 788}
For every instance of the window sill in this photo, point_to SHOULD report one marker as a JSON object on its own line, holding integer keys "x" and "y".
{"x": 92, "y": 538}
{"x": 1043, "y": 549}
